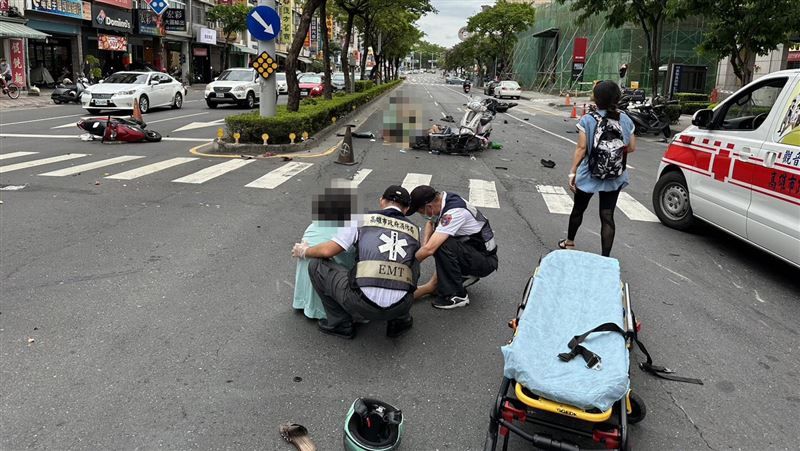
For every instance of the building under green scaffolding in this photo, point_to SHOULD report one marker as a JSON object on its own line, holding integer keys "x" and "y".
{"x": 543, "y": 54}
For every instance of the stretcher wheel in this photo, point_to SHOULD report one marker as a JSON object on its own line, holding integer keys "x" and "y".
{"x": 638, "y": 409}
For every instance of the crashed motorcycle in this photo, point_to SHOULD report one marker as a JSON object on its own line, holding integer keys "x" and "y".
{"x": 120, "y": 129}
{"x": 472, "y": 133}
{"x": 67, "y": 91}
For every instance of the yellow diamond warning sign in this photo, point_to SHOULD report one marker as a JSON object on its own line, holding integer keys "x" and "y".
{"x": 264, "y": 65}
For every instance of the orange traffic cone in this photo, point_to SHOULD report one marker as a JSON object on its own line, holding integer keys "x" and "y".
{"x": 568, "y": 100}
{"x": 574, "y": 114}
{"x": 137, "y": 113}
{"x": 346, "y": 149}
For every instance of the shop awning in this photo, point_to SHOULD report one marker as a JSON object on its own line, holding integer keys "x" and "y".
{"x": 17, "y": 30}
{"x": 303, "y": 59}
{"x": 244, "y": 49}
{"x": 548, "y": 33}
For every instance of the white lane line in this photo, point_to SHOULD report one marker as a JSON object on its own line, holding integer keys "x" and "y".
{"x": 215, "y": 171}
{"x": 634, "y": 210}
{"x": 43, "y": 161}
{"x": 89, "y": 166}
{"x": 278, "y": 176}
{"x": 414, "y": 180}
{"x": 16, "y": 154}
{"x": 71, "y": 124}
{"x": 359, "y": 177}
{"x": 40, "y": 120}
{"x": 150, "y": 168}
{"x": 483, "y": 193}
{"x": 25, "y": 135}
{"x": 443, "y": 115}
{"x": 176, "y": 117}
{"x": 436, "y": 103}
{"x": 546, "y": 131}
{"x": 556, "y": 198}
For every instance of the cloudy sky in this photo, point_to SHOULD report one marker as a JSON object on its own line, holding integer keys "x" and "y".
{"x": 442, "y": 28}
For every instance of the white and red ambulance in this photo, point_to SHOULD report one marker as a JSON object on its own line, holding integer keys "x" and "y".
{"x": 738, "y": 167}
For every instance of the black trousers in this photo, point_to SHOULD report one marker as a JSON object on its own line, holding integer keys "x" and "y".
{"x": 455, "y": 260}
{"x": 342, "y": 303}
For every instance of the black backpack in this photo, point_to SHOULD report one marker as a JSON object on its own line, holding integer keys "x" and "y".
{"x": 607, "y": 156}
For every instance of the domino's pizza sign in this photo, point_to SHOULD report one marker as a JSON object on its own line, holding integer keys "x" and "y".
{"x": 158, "y": 6}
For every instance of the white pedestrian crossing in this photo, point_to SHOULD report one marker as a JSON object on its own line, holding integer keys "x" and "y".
{"x": 16, "y": 154}
{"x": 556, "y": 199}
{"x": 359, "y": 177}
{"x": 277, "y": 177}
{"x": 150, "y": 168}
{"x": 483, "y": 193}
{"x": 43, "y": 161}
{"x": 414, "y": 180}
{"x": 89, "y": 166}
{"x": 213, "y": 172}
{"x": 634, "y": 210}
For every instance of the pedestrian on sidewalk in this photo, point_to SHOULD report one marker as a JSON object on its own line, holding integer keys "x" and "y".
{"x": 381, "y": 285}
{"x": 599, "y": 164}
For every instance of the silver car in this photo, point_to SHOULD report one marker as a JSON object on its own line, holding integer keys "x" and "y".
{"x": 280, "y": 83}
{"x": 337, "y": 81}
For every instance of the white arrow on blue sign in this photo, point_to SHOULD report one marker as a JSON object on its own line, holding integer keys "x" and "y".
{"x": 263, "y": 23}
{"x": 158, "y": 6}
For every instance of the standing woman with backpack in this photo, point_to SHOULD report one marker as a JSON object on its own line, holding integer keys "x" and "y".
{"x": 599, "y": 165}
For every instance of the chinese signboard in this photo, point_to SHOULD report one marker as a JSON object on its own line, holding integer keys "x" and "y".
{"x": 17, "y": 61}
{"x": 113, "y": 43}
{"x": 207, "y": 35}
{"x": 3, "y": 7}
{"x": 175, "y": 19}
{"x": 112, "y": 18}
{"x": 124, "y": 4}
{"x": 314, "y": 34}
{"x": 287, "y": 21}
{"x": 150, "y": 23}
{"x": 65, "y": 8}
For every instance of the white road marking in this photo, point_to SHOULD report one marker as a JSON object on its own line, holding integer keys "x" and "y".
{"x": 546, "y": 131}
{"x": 15, "y": 155}
{"x": 25, "y": 135}
{"x": 443, "y": 115}
{"x": 634, "y": 210}
{"x": 40, "y": 120}
{"x": 71, "y": 124}
{"x": 758, "y": 298}
{"x": 556, "y": 198}
{"x": 666, "y": 269}
{"x": 215, "y": 171}
{"x": 12, "y": 187}
{"x": 150, "y": 168}
{"x": 280, "y": 175}
{"x": 90, "y": 166}
{"x": 43, "y": 161}
{"x": 359, "y": 177}
{"x": 483, "y": 193}
{"x": 414, "y": 180}
{"x": 175, "y": 117}
{"x": 195, "y": 125}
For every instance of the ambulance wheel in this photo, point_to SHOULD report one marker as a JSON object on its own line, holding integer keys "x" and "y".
{"x": 671, "y": 201}
{"x": 638, "y": 409}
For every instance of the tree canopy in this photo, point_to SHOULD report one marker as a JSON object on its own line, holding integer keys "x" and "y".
{"x": 496, "y": 29}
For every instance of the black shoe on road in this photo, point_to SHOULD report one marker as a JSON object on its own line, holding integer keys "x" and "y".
{"x": 451, "y": 302}
{"x": 397, "y": 327}
{"x": 345, "y": 330}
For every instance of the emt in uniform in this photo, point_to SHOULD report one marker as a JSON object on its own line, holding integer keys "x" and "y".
{"x": 381, "y": 284}
{"x": 461, "y": 241}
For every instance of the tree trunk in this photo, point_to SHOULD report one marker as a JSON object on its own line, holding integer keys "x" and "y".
{"x": 346, "y": 50}
{"x": 293, "y": 103}
{"x": 655, "y": 56}
{"x": 363, "y": 63}
{"x": 326, "y": 49}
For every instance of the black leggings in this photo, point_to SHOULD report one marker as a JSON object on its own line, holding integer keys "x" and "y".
{"x": 608, "y": 202}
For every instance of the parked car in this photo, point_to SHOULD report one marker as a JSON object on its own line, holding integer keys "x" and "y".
{"x": 488, "y": 88}
{"x": 455, "y": 81}
{"x": 736, "y": 167}
{"x": 234, "y": 86}
{"x": 508, "y": 88}
{"x": 337, "y": 81}
{"x": 120, "y": 90}
{"x": 311, "y": 85}
{"x": 280, "y": 83}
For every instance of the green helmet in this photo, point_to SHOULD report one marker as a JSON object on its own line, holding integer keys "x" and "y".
{"x": 372, "y": 425}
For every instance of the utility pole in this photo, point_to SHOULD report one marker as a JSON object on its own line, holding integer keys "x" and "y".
{"x": 268, "y": 100}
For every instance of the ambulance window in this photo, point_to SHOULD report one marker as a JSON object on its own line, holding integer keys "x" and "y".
{"x": 748, "y": 109}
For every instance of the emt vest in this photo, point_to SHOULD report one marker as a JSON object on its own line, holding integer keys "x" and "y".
{"x": 482, "y": 240}
{"x": 387, "y": 247}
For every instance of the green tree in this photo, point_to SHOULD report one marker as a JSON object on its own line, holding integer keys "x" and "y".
{"x": 233, "y": 20}
{"x": 293, "y": 102}
{"x": 742, "y": 29}
{"x": 353, "y": 9}
{"x": 650, "y": 15}
{"x": 499, "y": 26}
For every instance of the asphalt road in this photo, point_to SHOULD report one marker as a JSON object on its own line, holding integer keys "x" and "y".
{"x": 141, "y": 312}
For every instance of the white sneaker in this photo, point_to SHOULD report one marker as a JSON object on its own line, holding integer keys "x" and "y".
{"x": 451, "y": 302}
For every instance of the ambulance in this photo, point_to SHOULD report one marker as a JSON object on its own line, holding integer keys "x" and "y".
{"x": 737, "y": 167}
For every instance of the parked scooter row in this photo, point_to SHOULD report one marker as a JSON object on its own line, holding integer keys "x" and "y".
{"x": 649, "y": 116}
{"x": 67, "y": 91}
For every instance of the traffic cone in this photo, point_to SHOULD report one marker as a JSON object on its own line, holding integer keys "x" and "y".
{"x": 346, "y": 149}
{"x": 574, "y": 114}
{"x": 568, "y": 100}
{"x": 137, "y": 113}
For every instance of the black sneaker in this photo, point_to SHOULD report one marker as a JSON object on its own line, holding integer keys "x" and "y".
{"x": 397, "y": 327}
{"x": 470, "y": 280}
{"x": 451, "y": 302}
{"x": 344, "y": 330}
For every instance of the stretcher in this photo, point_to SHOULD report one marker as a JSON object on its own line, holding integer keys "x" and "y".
{"x": 566, "y": 368}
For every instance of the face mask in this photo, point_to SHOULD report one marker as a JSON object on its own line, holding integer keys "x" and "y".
{"x": 431, "y": 218}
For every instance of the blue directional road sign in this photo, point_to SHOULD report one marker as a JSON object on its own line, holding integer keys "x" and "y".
{"x": 158, "y": 6}
{"x": 264, "y": 23}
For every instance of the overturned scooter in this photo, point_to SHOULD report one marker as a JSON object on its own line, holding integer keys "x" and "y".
{"x": 121, "y": 129}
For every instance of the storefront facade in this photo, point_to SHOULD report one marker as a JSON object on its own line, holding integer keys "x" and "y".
{"x": 60, "y": 54}
{"x": 112, "y": 28}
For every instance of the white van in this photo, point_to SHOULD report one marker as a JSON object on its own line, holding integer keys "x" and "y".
{"x": 738, "y": 167}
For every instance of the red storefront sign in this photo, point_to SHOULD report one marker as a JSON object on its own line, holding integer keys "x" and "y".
{"x": 200, "y": 51}
{"x": 17, "y": 62}
{"x": 579, "y": 50}
{"x": 794, "y": 56}
{"x": 124, "y": 4}
{"x": 112, "y": 43}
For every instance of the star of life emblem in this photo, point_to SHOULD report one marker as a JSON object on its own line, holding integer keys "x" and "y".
{"x": 393, "y": 246}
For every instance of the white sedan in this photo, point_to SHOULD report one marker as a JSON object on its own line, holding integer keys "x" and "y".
{"x": 508, "y": 89}
{"x": 122, "y": 89}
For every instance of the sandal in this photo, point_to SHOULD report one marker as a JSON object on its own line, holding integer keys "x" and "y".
{"x": 562, "y": 244}
{"x": 297, "y": 435}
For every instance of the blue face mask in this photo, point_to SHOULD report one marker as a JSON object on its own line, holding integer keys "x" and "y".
{"x": 433, "y": 219}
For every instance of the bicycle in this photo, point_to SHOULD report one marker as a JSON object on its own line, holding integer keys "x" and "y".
{"x": 11, "y": 89}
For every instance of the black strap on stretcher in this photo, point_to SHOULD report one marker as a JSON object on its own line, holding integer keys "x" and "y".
{"x": 593, "y": 360}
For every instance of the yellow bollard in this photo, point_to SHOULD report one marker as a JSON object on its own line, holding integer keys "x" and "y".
{"x": 292, "y": 136}
{"x": 236, "y": 136}
{"x": 305, "y": 136}
{"x": 220, "y": 134}
{"x": 265, "y": 137}
{"x": 333, "y": 120}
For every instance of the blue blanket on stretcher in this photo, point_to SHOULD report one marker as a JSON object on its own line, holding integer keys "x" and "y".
{"x": 573, "y": 292}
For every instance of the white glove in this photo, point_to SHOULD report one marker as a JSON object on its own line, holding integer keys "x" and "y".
{"x": 299, "y": 249}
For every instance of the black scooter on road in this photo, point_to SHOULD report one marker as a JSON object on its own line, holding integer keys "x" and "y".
{"x": 648, "y": 116}
{"x": 467, "y": 86}
{"x": 69, "y": 92}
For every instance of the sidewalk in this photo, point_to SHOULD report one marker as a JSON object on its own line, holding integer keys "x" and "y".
{"x": 26, "y": 101}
